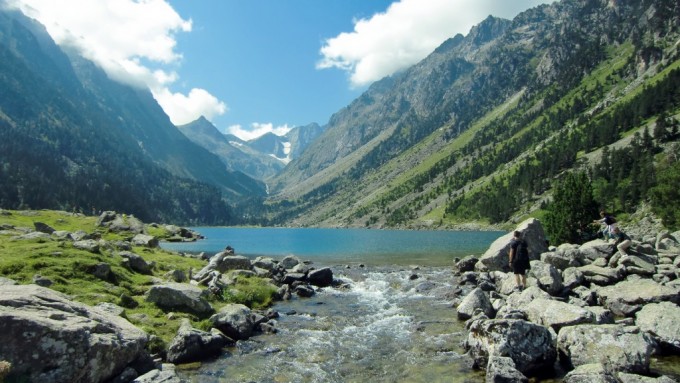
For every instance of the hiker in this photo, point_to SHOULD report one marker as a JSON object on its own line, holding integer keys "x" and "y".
{"x": 622, "y": 243}
{"x": 610, "y": 223}
{"x": 519, "y": 260}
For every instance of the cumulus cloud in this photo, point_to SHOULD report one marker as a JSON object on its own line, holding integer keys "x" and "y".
{"x": 256, "y": 130}
{"x": 133, "y": 41}
{"x": 406, "y": 33}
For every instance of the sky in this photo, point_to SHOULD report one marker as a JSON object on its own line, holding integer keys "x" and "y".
{"x": 258, "y": 66}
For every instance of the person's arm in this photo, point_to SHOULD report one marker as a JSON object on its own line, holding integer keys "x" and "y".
{"x": 511, "y": 253}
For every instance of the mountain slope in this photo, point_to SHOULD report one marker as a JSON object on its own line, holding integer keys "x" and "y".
{"x": 234, "y": 153}
{"x": 463, "y": 134}
{"x": 72, "y": 139}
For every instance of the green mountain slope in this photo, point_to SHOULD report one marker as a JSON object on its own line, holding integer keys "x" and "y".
{"x": 70, "y": 138}
{"x": 482, "y": 128}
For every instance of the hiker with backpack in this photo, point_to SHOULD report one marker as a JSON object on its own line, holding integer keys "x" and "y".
{"x": 610, "y": 224}
{"x": 519, "y": 260}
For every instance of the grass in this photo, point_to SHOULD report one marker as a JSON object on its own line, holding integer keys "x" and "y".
{"x": 71, "y": 270}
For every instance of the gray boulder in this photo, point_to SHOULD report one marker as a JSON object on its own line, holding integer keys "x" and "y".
{"x": 477, "y": 299}
{"x": 597, "y": 249}
{"x": 322, "y": 277}
{"x": 627, "y": 297}
{"x": 145, "y": 240}
{"x": 49, "y": 338}
{"x": 466, "y": 264}
{"x": 235, "y": 321}
{"x": 136, "y": 262}
{"x": 502, "y": 369}
{"x": 165, "y": 374}
{"x": 181, "y": 297}
{"x": 191, "y": 345}
{"x": 601, "y": 275}
{"x": 290, "y": 261}
{"x": 556, "y": 314}
{"x": 548, "y": 277}
{"x": 496, "y": 257}
{"x": 43, "y": 227}
{"x": 622, "y": 348}
{"x": 662, "y": 322}
{"x": 529, "y": 345}
{"x": 590, "y": 373}
{"x": 90, "y": 245}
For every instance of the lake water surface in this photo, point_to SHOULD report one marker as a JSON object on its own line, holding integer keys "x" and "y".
{"x": 347, "y": 246}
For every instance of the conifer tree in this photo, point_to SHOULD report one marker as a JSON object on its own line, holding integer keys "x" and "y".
{"x": 572, "y": 210}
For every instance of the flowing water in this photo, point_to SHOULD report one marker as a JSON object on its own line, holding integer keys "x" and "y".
{"x": 384, "y": 327}
{"x": 391, "y": 323}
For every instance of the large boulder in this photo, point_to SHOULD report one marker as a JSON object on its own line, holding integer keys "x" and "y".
{"x": 627, "y": 297}
{"x": 622, "y": 348}
{"x": 136, "y": 262}
{"x": 662, "y": 322}
{"x": 49, "y": 338}
{"x": 477, "y": 299}
{"x": 549, "y": 278}
{"x": 235, "y": 320}
{"x": 556, "y": 314}
{"x": 529, "y": 345}
{"x": 496, "y": 257}
{"x": 190, "y": 344}
{"x": 322, "y": 277}
{"x": 597, "y": 249}
{"x": 181, "y": 297}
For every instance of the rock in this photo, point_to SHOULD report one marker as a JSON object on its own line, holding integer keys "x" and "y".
{"x": 321, "y": 277}
{"x": 145, "y": 240}
{"x": 49, "y": 338}
{"x": 475, "y": 300}
{"x": 661, "y": 321}
{"x": 136, "y": 262}
{"x": 556, "y": 314}
{"x": 304, "y": 291}
{"x": 34, "y": 235}
{"x": 181, "y": 297}
{"x": 266, "y": 263}
{"x": 222, "y": 262}
{"x": 622, "y": 348}
{"x": 43, "y": 227}
{"x": 42, "y": 281}
{"x": 166, "y": 374}
{"x": 466, "y": 264}
{"x": 529, "y": 345}
{"x": 90, "y": 245}
{"x": 597, "y": 249}
{"x": 625, "y": 377}
{"x": 548, "y": 277}
{"x": 290, "y": 261}
{"x": 102, "y": 271}
{"x": 191, "y": 345}
{"x": 590, "y": 373}
{"x": 572, "y": 277}
{"x": 235, "y": 321}
{"x": 563, "y": 259}
{"x": 627, "y": 297}
{"x": 496, "y": 257}
{"x": 7, "y": 282}
{"x": 601, "y": 275}
{"x": 502, "y": 369}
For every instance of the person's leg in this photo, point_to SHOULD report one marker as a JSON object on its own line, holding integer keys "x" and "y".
{"x": 517, "y": 280}
{"x": 623, "y": 246}
{"x": 524, "y": 281}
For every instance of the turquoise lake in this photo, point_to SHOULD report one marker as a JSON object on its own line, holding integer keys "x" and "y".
{"x": 337, "y": 246}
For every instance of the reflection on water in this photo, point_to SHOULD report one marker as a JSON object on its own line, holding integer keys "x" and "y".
{"x": 387, "y": 327}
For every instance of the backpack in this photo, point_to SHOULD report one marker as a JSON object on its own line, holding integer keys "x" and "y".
{"x": 522, "y": 251}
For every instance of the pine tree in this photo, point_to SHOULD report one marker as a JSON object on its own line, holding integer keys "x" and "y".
{"x": 572, "y": 210}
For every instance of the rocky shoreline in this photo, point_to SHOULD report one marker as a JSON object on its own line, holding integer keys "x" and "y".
{"x": 599, "y": 316}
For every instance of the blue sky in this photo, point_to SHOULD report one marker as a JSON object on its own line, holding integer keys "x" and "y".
{"x": 253, "y": 66}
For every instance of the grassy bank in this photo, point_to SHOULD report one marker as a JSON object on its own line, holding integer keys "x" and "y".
{"x": 71, "y": 270}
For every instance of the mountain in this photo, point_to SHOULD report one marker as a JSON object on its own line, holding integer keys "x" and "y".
{"x": 73, "y": 139}
{"x": 261, "y": 158}
{"x": 235, "y": 153}
{"x": 482, "y": 128}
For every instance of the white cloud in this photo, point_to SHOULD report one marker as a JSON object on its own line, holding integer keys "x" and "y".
{"x": 406, "y": 33}
{"x": 256, "y": 130}
{"x": 133, "y": 41}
